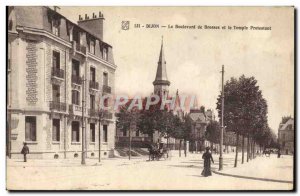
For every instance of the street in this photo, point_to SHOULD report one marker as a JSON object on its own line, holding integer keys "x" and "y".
{"x": 177, "y": 173}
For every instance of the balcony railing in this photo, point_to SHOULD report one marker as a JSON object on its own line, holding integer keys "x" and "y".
{"x": 94, "y": 85}
{"x": 106, "y": 89}
{"x": 54, "y": 105}
{"x": 58, "y": 72}
{"x": 76, "y": 79}
{"x": 107, "y": 115}
{"x": 93, "y": 112}
{"x": 80, "y": 48}
{"x": 74, "y": 108}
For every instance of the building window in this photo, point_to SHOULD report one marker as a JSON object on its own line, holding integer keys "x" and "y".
{"x": 92, "y": 101}
{"x": 56, "y": 130}
{"x": 30, "y": 128}
{"x": 76, "y": 36}
{"x": 75, "y": 131}
{"x": 75, "y": 68}
{"x": 92, "y": 47}
{"x": 105, "y": 54}
{"x": 75, "y": 97}
{"x": 105, "y": 78}
{"x": 55, "y": 27}
{"x": 55, "y": 93}
{"x": 56, "y": 60}
{"x": 105, "y": 133}
{"x": 137, "y": 133}
{"x": 92, "y": 132}
{"x": 93, "y": 74}
{"x": 124, "y": 132}
{"x": 105, "y": 102}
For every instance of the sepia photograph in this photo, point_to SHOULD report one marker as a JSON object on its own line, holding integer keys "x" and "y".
{"x": 150, "y": 98}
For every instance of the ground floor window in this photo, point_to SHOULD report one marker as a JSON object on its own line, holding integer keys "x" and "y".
{"x": 56, "y": 130}
{"x": 92, "y": 132}
{"x": 105, "y": 133}
{"x": 75, "y": 131}
{"x": 30, "y": 128}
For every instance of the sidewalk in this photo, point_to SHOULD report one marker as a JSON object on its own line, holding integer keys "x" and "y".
{"x": 263, "y": 168}
{"x": 177, "y": 173}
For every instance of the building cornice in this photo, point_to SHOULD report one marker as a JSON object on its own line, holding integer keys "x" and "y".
{"x": 41, "y": 32}
{"x": 94, "y": 57}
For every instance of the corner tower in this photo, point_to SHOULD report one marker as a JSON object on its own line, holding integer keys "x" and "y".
{"x": 161, "y": 82}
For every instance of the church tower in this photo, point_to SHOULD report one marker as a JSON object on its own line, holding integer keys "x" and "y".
{"x": 161, "y": 82}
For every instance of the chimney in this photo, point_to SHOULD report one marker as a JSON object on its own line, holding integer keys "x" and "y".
{"x": 93, "y": 24}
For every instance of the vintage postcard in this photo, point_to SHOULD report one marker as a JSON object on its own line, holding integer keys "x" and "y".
{"x": 150, "y": 98}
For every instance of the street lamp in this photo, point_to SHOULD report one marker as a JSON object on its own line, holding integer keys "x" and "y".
{"x": 222, "y": 123}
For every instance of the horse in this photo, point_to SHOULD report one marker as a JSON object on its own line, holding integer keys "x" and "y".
{"x": 156, "y": 153}
{"x": 267, "y": 152}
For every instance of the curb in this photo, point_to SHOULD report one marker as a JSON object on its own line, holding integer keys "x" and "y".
{"x": 253, "y": 178}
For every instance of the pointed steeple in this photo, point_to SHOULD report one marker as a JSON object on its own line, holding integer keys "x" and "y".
{"x": 161, "y": 73}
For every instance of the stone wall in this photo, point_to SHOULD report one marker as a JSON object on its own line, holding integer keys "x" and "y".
{"x": 31, "y": 73}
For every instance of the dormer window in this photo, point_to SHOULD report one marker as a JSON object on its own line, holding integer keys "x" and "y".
{"x": 92, "y": 47}
{"x": 105, "y": 54}
{"x": 55, "y": 27}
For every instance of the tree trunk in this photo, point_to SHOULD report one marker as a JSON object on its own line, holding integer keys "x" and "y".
{"x": 129, "y": 143}
{"x": 243, "y": 149}
{"x": 253, "y": 149}
{"x": 248, "y": 142}
{"x": 180, "y": 148}
{"x": 184, "y": 143}
{"x": 250, "y": 148}
{"x": 236, "y": 150}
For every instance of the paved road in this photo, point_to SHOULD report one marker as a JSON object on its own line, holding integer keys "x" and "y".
{"x": 176, "y": 174}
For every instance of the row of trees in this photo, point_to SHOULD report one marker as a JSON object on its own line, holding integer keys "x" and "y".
{"x": 245, "y": 114}
{"x": 165, "y": 122}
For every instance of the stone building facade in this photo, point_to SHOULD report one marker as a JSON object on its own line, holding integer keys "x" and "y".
{"x": 57, "y": 71}
{"x": 286, "y": 136}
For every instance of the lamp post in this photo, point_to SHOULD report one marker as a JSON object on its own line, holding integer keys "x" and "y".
{"x": 222, "y": 123}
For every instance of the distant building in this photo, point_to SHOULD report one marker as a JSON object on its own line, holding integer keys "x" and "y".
{"x": 53, "y": 64}
{"x": 286, "y": 136}
{"x": 161, "y": 88}
{"x": 198, "y": 142}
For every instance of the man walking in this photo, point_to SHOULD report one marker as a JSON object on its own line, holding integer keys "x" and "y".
{"x": 25, "y": 151}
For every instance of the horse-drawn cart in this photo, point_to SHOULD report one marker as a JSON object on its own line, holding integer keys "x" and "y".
{"x": 158, "y": 152}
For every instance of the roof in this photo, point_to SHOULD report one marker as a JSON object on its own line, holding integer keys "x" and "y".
{"x": 31, "y": 20}
{"x": 161, "y": 73}
{"x": 285, "y": 125}
{"x": 198, "y": 117}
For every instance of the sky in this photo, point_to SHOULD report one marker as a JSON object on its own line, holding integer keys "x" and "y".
{"x": 194, "y": 57}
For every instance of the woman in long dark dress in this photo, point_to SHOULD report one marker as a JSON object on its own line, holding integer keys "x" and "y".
{"x": 207, "y": 158}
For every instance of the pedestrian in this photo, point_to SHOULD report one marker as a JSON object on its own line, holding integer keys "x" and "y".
{"x": 207, "y": 158}
{"x": 278, "y": 153}
{"x": 25, "y": 151}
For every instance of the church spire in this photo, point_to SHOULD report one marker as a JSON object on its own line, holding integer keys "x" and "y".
{"x": 161, "y": 73}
